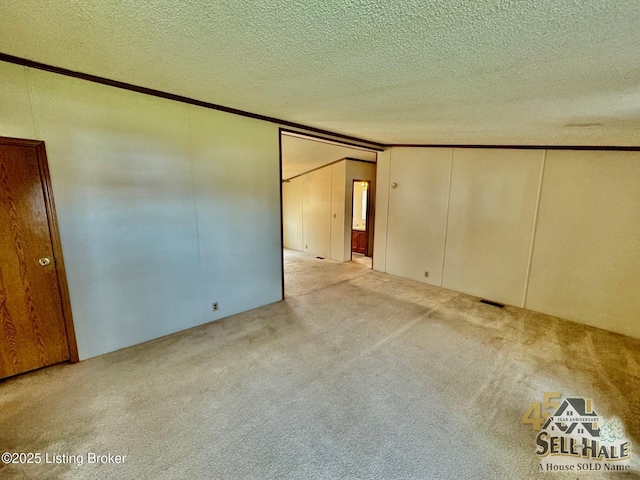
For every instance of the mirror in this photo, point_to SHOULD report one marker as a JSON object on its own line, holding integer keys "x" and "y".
{"x": 360, "y": 205}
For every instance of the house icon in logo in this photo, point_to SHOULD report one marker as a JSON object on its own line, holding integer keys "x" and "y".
{"x": 562, "y": 423}
{"x": 575, "y": 437}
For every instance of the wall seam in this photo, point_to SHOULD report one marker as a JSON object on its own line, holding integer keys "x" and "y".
{"x": 386, "y": 233}
{"x": 346, "y": 202}
{"x": 535, "y": 227}
{"x": 195, "y": 210}
{"x": 302, "y": 215}
{"x": 372, "y": 211}
{"x": 446, "y": 221}
{"x": 34, "y": 123}
{"x": 331, "y": 214}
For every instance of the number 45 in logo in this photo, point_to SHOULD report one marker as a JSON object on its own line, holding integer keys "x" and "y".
{"x": 538, "y": 412}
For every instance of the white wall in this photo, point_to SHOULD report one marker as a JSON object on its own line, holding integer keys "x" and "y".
{"x": 316, "y": 212}
{"x": 338, "y": 213}
{"x": 163, "y": 207}
{"x": 417, "y": 215}
{"x": 491, "y": 211}
{"x": 553, "y": 231}
{"x": 292, "y": 213}
{"x": 235, "y": 163}
{"x": 586, "y": 255}
{"x": 383, "y": 166}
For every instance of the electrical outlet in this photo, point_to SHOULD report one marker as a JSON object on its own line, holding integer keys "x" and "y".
{"x": 426, "y": 274}
{"x": 215, "y": 306}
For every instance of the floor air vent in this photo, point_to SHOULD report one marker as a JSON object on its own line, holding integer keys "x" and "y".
{"x": 493, "y": 304}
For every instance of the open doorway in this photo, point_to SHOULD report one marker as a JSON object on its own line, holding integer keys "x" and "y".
{"x": 318, "y": 177}
{"x": 360, "y": 223}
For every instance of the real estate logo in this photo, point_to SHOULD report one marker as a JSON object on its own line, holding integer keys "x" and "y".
{"x": 572, "y": 437}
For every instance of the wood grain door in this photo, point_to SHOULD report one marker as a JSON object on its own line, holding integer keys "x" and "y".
{"x": 32, "y": 316}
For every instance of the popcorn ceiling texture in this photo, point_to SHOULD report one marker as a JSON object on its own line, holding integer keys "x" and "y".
{"x": 543, "y": 72}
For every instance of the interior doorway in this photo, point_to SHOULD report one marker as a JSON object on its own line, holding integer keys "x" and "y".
{"x": 360, "y": 224}
{"x": 35, "y": 311}
{"x": 318, "y": 176}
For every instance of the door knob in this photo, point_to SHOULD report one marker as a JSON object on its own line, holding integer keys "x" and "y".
{"x": 44, "y": 261}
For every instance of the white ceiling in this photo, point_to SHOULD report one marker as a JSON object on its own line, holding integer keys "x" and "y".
{"x": 299, "y": 155}
{"x": 395, "y": 71}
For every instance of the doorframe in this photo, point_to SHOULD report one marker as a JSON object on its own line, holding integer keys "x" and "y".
{"x": 52, "y": 221}
{"x": 366, "y": 220}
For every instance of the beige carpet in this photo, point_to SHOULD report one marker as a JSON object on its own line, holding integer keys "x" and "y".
{"x": 357, "y": 374}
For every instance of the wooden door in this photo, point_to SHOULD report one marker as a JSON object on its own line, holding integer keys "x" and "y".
{"x": 35, "y": 329}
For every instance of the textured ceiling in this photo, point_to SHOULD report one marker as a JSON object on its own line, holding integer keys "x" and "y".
{"x": 299, "y": 155}
{"x": 393, "y": 71}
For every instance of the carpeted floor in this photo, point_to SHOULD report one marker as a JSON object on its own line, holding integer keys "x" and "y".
{"x": 357, "y": 374}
